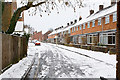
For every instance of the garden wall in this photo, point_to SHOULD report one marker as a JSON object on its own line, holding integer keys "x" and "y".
{"x": 12, "y": 49}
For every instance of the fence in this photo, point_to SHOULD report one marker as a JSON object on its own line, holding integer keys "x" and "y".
{"x": 12, "y": 49}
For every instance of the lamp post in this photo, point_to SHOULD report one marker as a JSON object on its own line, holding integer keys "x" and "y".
{"x": 118, "y": 42}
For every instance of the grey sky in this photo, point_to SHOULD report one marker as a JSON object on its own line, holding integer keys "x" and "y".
{"x": 66, "y": 15}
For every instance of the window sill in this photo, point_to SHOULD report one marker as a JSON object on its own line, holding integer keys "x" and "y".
{"x": 106, "y": 23}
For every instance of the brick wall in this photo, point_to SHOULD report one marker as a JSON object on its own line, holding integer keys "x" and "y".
{"x": 6, "y": 17}
{"x": 8, "y": 11}
{"x": 37, "y": 36}
{"x": 45, "y": 36}
{"x": 97, "y": 28}
{"x": 52, "y": 36}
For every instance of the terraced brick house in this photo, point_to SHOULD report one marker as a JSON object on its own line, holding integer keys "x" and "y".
{"x": 97, "y": 29}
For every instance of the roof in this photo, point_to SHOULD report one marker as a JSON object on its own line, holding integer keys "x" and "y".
{"x": 56, "y": 31}
{"x": 19, "y": 26}
{"x": 99, "y": 14}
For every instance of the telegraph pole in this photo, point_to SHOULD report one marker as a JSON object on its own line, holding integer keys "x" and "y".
{"x": 118, "y": 42}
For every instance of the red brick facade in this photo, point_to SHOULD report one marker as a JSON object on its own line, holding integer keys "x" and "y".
{"x": 100, "y": 28}
{"x": 45, "y": 36}
{"x": 37, "y": 36}
{"x": 9, "y": 8}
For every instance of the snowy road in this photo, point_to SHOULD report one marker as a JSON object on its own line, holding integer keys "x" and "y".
{"x": 59, "y": 63}
{"x": 51, "y": 61}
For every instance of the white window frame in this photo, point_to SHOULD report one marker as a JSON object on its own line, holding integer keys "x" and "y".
{"x": 74, "y": 29}
{"x": 84, "y": 26}
{"x": 90, "y": 36}
{"x": 80, "y": 27}
{"x": 88, "y": 24}
{"x": 69, "y": 31}
{"x": 99, "y": 21}
{"x": 93, "y": 23}
{"x": 80, "y": 39}
{"x": 104, "y": 38}
{"x": 107, "y": 19}
{"x": 115, "y": 17}
{"x": 77, "y": 28}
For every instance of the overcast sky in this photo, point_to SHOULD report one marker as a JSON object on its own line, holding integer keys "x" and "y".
{"x": 55, "y": 20}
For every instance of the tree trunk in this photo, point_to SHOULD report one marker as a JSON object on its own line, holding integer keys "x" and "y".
{"x": 15, "y": 18}
{"x": 16, "y": 15}
{"x": 118, "y": 42}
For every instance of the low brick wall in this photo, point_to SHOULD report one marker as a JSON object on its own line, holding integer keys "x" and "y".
{"x": 88, "y": 47}
{"x": 12, "y": 49}
{"x": 77, "y": 45}
{"x": 112, "y": 51}
{"x": 99, "y": 48}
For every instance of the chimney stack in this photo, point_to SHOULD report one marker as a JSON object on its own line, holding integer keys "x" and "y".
{"x": 113, "y": 2}
{"x": 80, "y": 18}
{"x": 91, "y": 12}
{"x": 67, "y": 24}
{"x": 75, "y": 21}
{"x": 101, "y": 7}
{"x": 71, "y": 22}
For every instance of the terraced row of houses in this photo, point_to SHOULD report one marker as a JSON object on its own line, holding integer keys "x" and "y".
{"x": 97, "y": 29}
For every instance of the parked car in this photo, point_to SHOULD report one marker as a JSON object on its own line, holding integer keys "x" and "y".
{"x": 37, "y": 43}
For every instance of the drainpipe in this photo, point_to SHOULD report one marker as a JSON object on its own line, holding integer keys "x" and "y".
{"x": 118, "y": 42}
{"x": 102, "y": 19}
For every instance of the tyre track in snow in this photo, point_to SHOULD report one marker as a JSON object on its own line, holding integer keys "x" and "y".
{"x": 84, "y": 55}
{"x": 59, "y": 63}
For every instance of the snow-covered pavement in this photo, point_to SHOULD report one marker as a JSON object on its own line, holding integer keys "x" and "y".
{"x": 56, "y": 62}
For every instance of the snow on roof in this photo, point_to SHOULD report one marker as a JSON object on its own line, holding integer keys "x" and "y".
{"x": 99, "y": 14}
{"x": 56, "y": 31}
{"x": 19, "y": 26}
{"x": 67, "y": 28}
{"x": 61, "y": 30}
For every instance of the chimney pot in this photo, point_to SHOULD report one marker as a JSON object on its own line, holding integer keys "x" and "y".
{"x": 101, "y": 7}
{"x": 113, "y": 2}
{"x": 91, "y": 12}
{"x": 67, "y": 24}
{"x": 80, "y": 18}
{"x": 71, "y": 22}
{"x": 75, "y": 21}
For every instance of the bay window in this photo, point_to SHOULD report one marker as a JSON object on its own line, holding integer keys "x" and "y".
{"x": 108, "y": 38}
